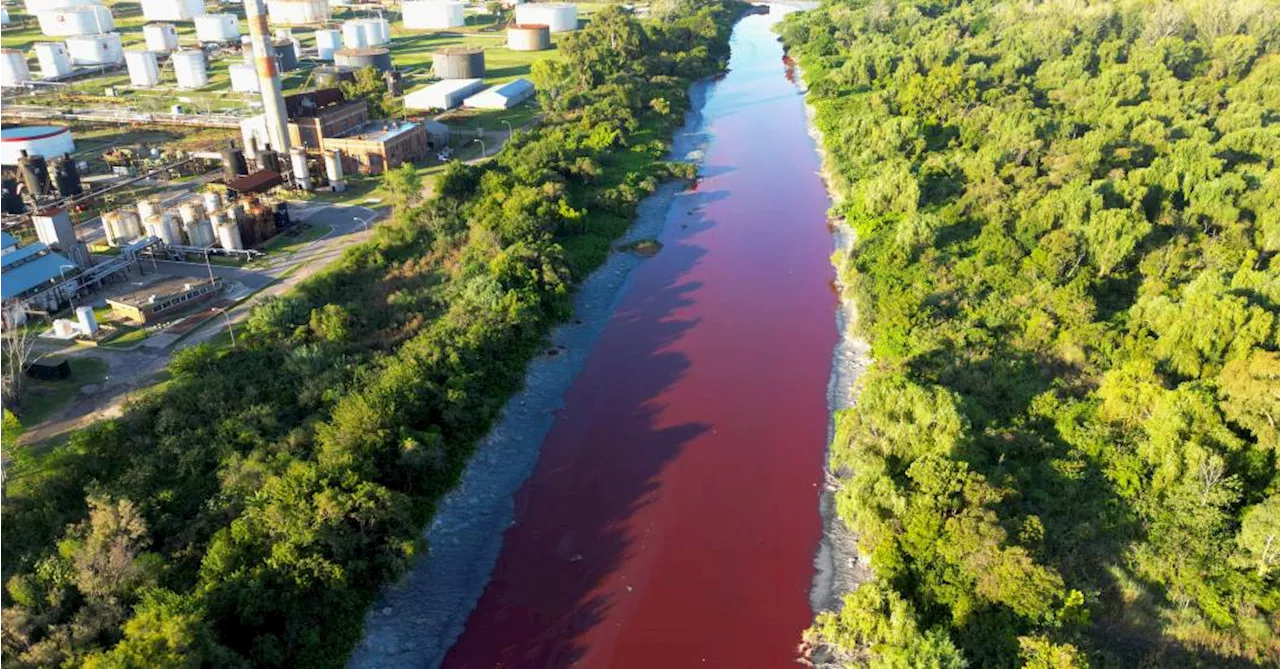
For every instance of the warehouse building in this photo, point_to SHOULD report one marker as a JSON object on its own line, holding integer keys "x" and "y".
{"x": 164, "y": 298}
{"x": 445, "y": 94}
{"x": 502, "y": 96}
{"x": 32, "y": 279}
{"x": 378, "y": 146}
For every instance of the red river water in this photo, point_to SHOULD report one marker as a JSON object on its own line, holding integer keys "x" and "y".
{"x": 672, "y": 518}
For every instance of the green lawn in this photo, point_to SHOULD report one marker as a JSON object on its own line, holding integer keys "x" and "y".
{"x": 42, "y": 399}
{"x": 129, "y": 335}
{"x": 285, "y": 243}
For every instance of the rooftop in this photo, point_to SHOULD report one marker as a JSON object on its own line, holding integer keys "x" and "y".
{"x": 257, "y": 182}
{"x": 141, "y": 293}
{"x": 7, "y": 240}
{"x": 29, "y": 267}
{"x": 379, "y": 131}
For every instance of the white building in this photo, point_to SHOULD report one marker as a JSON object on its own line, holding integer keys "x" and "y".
{"x": 445, "y": 94}
{"x": 502, "y": 96}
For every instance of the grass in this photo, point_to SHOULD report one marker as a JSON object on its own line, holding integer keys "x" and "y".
{"x": 286, "y": 243}
{"x": 128, "y": 336}
{"x": 646, "y": 248}
{"x": 42, "y": 399}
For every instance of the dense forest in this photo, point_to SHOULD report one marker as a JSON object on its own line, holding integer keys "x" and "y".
{"x": 1067, "y": 217}
{"x": 247, "y": 512}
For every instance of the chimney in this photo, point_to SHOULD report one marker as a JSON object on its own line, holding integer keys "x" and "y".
{"x": 264, "y": 56}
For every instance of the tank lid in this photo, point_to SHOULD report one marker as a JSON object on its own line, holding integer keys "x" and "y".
{"x": 530, "y": 26}
{"x": 460, "y": 50}
{"x": 26, "y": 133}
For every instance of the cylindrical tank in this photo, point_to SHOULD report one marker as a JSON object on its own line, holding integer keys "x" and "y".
{"x": 13, "y": 68}
{"x": 199, "y": 233}
{"x": 528, "y": 37}
{"x": 190, "y": 212}
{"x": 376, "y": 31}
{"x": 433, "y": 14}
{"x": 144, "y": 68}
{"x": 228, "y": 231}
{"x": 217, "y": 28}
{"x": 556, "y": 16}
{"x": 164, "y": 226}
{"x": 333, "y": 170}
{"x": 211, "y": 201}
{"x": 82, "y": 20}
{"x": 269, "y": 159}
{"x": 66, "y": 177}
{"x": 53, "y": 58}
{"x": 301, "y": 173}
{"x": 326, "y": 76}
{"x": 4, "y": 17}
{"x": 328, "y": 40}
{"x": 160, "y": 36}
{"x": 297, "y": 12}
{"x": 353, "y": 35}
{"x": 95, "y": 49}
{"x": 286, "y": 57}
{"x": 128, "y": 224}
{"x": 49, "y": 141}
{"x": 189, "y": 67}
{"x": 10, "y": 200}
{"x": 147, "y": 208}
{"x": 172, "y": 10}
{"x": 88, "y": 323}
{"x": 111, "y": 227}
{"x": 377, "y": 58}
{"x": 459, "y": 62}
{"x": 233, "y": 163}
{"x": 244, "y": 78}
{"x": 35, "y": 174}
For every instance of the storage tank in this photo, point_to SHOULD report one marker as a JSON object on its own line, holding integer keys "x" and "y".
{"x": 35, "y": 175}
{"x": 88, "y": 323}
{"x": 147, "y": 208}
{"x": 301, "y": 172}
{"x": 376, "y": 31}
{"x": 353, "y": 35}
{"x": 46, "y": 141}
{"x": 10, "y": 201}
{"x": 111, "y": 227}
{"x": 144, "y": 69}
{"x": 53, "y": 58}
{"x": 66, "y": 176}
{"x": 190, "y": 69}
{"x": 4, "y": 17}
{"x": 83, "y": 20}
{"x": 13, "y": 68}
{"x": 200, "y": 233}
{"x": 557, "y": 17}
{"x": 528, "y": 37}
{"x": 378, "y": 58}
{"x": 95, "y": 49}
{"x": 217, "y": 28}
{"x": 190, "y": 212}
{"x": 433, "y": 14}
{"x": 160, "y": 36}
{"x": 165, "y": 226}
{"x": 211, "y": 201}
{"x": 328, "y": 40}
{"x": 228, "y": 232}
{"x": 333, "y": 170}
{"x": 233, "y": 163}
{"x": 244, "y": 78}
{"x": 172, "y": 10}
{"x": 297, "y": 12}
{"x": 327, "y": 76}
{"x": 286, "y": 57}
{"x": 458, "y": 62}
{"x": 121, "y": 226}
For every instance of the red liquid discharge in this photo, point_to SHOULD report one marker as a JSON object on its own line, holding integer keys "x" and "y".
{"x": 672, "y": 518}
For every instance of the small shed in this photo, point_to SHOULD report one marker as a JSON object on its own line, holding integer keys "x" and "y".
{"x": 445, "y": 94}
{"x": 437, "y": 132}
{"x": 502, "y": 96}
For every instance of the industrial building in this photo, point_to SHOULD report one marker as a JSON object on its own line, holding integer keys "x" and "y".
{"x": 311, "y": 117}
{"x": 445, "y": 94}
{"x": 502, "y": 96}
{"x": 378, "y": 146}
{"x": 165, "y": 298}
{"x": 33, "y": 278}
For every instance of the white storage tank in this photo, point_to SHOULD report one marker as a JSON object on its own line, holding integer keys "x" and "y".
{"x": 84, "y": 20}
{"x": 144, "y": 69}
{"x": 13, "y": 68}
{"x": 297, "y": 12}
{"x": 353, "y": 34}
{"x": 95, "y": 49}
{"x": 433, "y": 14}
{"x": 228, "y": 232}
{"x": 172, "y": 10}
{"x": 301, "y": 171}
{"x": 4, "y": 17}
{"x": 333, "y": 170}
{"x": 148, "y": 208}
{"x": 54, "y": 59}
{"x": 88, "y": 323}
{"x": 558, "y": 17}
{"x": 211, "y": 201}
{"x": 328, "y": 40}
{"x": 381, "y": 30}
{"x": 160, "y": 36}
{"x": 190, "y": 69}
{"x": 217, "y": 28}
{"x": 528, "y": 37}
{"x": 164, "y": 226}
{"x": 47, "y": 141}
{"x": 244, "y": 78}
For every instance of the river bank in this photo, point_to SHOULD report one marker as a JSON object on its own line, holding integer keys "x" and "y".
{"x": 416, "y": 621}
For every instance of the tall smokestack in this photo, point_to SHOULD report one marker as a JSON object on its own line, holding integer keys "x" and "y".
{"x": 268, "y": 78}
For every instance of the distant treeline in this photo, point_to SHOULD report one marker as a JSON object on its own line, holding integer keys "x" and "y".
{"x": 248, "y": 511}
{"x": 1068, "y": 215}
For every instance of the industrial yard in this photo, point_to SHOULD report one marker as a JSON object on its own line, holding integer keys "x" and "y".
{"x": 166, "y": 164}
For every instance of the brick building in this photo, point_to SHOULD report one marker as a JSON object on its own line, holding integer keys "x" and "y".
{"x": 377, "y": 146}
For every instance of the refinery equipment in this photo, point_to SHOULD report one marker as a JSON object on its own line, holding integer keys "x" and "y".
{"x": 121, "y": 226}
{"x": 227, "y": 231}
{"x": 286, "y": 55}
{"x": 273, "y": 109}
{"x": 34, "y": 171}
{"x": 53, "y": 227}
{"x": 70, "y": 21}
{"x": 356, "y": 59}
{"x": 66, "y": 176}
{"x": 328, "y": 40}
{"x": 333, "y": 170}
{"x": 164, "y": 226}
{"x": 47, "y": 141}
{"x": 195, "y": 225}
{"x": 144, "y": 69}
{"x": 95, "y": 49}
{"x": 217, "y": 28}
{"x": 53, "y": 58}
{"x": 13, "y": 68}
{"x": 87, "y": 321}
{"x": 147, "y": 208}
{"x": 172, "y": 10}
{"x": 233, "y": 163}
{"x": 160, "y": 36}
{"x": 244, "y": 78}
{"x": 190, "y": 69}
{"x": 301, "y": 173}
{"x": 458, "y": 62}
{"x": 298, "y": 12}
{"x": 211, "y": 200}
{"x": 557, "y": 17}
{"x": 433, "y": 14}
{"x": 528, "y": 37}
{"x": 10, "y": 200}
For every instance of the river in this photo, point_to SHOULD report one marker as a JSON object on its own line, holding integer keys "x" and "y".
{"x": 672, "y": 516}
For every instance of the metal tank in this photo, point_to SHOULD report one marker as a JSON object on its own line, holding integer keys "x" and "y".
{"x": 160, "y": 36}
{"x": 269, "y": 159}
{"x": 377, "y": 32}
{"x": 217, "y": 28}
{"x": 190, "y": 69}
{"x": 199, "y": 232}
{"x": 286, "y": 56}
{"x": 172, "y": 10}
{"x": 164, "y": 226}
{"x": 211, "y": 201}
{"x": 228, "y": 231}
{"x": 95, "y": 49}
{"x": 298, "y": 12}
{"x": 301, "y": 172}
{"x": 35, "y": 174}
{"x": 70, "y": 21}
{"x": 10, "y": 201}
{"x": 458, "y": 63}
{"x": 111, "y": 227}
{"x": 377, "y": 58}
{"x": 66, "y": 177}
{"x": 13, "y": 68}
{"x": 528, "y": 37}
{"x": 433, "y": 14}
{"x": 244, "y": 78}
{"x": 144, "y": 68}
{"x": 328, "y": 40}
{"x": 53, "y": 58}
{"x": 233, "y": 163}
{"x": 333, "y": 170}
{"x": 559, "y": 17}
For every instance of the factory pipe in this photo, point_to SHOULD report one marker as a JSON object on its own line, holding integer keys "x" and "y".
{"x": 268, "y": 77}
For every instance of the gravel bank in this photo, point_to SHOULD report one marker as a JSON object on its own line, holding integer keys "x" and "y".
{"x": 415, "y": 621}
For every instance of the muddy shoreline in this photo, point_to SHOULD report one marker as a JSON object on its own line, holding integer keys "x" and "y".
{"x": 416, "y": 621}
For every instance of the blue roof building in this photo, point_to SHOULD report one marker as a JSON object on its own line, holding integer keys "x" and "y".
{"x": 7, "y": 242}
{"x": 30, "y": 270}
